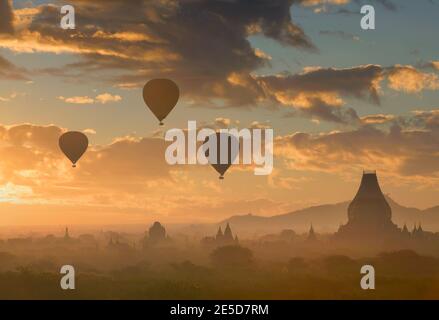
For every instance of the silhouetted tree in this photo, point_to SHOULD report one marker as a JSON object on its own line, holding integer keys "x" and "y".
{"x": 340, "y": 264}
{"x": 297, "y": 265}
{"x": 232, "y": 256}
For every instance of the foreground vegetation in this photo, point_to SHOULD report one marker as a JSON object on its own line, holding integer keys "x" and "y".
{"x": 234, "y": 274}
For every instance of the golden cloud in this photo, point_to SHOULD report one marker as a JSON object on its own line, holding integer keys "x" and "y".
{"x": 320, "y": 2}
{"x": 103, "y": 98}
{"x": 163, "y": 44}
{"x": 129, "y": 173}
{"x": 77, "y": 99}
{"x": 107, "y": 97}
{"x": 396, "y": 151}
{"x": 409, "y": 79}
{"x": 377, "y": 118}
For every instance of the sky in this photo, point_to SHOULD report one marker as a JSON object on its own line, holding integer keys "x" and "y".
{"x": 339, "y": 99}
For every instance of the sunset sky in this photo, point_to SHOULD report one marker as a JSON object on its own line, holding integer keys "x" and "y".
{"x": 339, "y": 99}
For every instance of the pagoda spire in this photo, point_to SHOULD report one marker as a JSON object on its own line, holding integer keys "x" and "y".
{"x": 66, "y": 234}
{"x": 311, "y": 233}
{"x": 228, "y": 235}
{"x": 219, "y": 234}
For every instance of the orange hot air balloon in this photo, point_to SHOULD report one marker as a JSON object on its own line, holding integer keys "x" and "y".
{"x": 161, "y": 96}
{"x": 215, "y": 159}
{"x": 73, "y": 144}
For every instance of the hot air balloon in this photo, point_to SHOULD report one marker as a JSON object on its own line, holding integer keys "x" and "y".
{"x": 161, "y": 96}
{"x": 73, "y": 144}
{"x": 232, "y": 152}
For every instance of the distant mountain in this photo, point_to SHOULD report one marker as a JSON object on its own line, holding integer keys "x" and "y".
{"x": 326, "y": 218}
{"x": 433, "y": 210}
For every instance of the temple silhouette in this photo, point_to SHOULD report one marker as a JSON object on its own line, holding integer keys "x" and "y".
{"x": 221, "y": 238}
{"x": 369, "y": 213}
{"x": 370, "y": 223}
{"x": 156, "y": 235}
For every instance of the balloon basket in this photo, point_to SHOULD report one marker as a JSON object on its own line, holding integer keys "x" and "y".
{"x": 161, "y": 124}
{"x": 73, "y": 165}
{"x": 221, "y": 177}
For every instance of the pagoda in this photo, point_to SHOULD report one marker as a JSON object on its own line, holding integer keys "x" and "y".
{"x": 369, "y": 213}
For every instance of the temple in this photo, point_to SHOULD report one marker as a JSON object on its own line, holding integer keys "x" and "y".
{"x": 369, "y": 214}
{"x": 156, "y": 235}
{"x": 221, "y": 238}
{"x": 311, "y": 234}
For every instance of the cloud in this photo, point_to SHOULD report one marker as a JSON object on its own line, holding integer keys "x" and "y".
{"x": 261, "y": 125}
{"x": 318, "y": 110}
{"x": 388, "y": 4}
{"x": 377, "y": 118}
{"x": 427, "y": 119}
{"x": 10, "y": 97}
{"x": 130, "y": 175}
{"x": 33, "y": 159}
{"x": 220, "y": 123}
{"x": 6, "y": 17}
{"x": 408, "y": 79}
{"x": 362, "y": 82}
{"x": 77, "y": 99}
{"x": 128, "y": 86}
{"x": 176, "y": 40}
{"x": 10, "y": 71}
{"x": 318, "y": 93}
{"x": 347, "y": 6}
{"x": 89, "y": 131}
{"x": 341, "y": 34}
{"x": 320, "y": 2}
{"x": 103, "y": 98}
{"x": 398, "y": 151}
{"x": 107, "y": 97}
{"x": 112, "y": 181}
{"x": 128, "y": 158}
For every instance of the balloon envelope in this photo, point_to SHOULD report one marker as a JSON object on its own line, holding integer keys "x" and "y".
{"x": 73, "y": 144}
{"x": 161, "y": 96}
{"x": 232, "y": 144}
